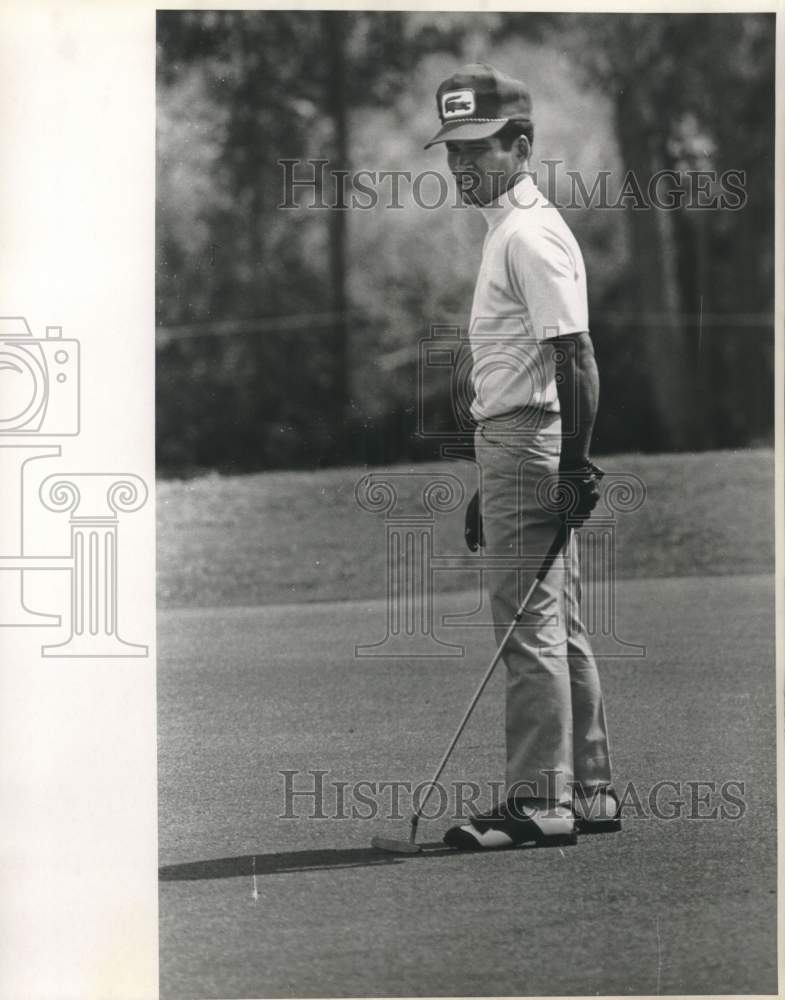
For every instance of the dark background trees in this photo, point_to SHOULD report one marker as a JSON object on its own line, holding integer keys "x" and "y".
{"x": 289, "y": 337}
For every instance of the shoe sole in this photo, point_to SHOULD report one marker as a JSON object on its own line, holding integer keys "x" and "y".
{"x": 587, "y": 827}
{"x": 465, "y": 842}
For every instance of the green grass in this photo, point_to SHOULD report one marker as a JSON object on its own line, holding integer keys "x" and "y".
{"x": 283, "y": 537}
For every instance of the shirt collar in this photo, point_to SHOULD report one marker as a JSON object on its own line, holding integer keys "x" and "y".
{"x": 519, "y": 195}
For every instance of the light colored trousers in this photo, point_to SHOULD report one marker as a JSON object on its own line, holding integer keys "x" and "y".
{"x": 555, "y": 720}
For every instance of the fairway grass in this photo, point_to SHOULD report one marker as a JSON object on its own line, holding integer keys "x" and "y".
{"x": 283, "y": 537}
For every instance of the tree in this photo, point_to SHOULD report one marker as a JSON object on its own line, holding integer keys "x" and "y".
{"x": 278, "y": 84}
{"x": 691, "y": 91}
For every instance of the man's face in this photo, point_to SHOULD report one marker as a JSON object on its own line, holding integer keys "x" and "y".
{"x": 482, "y": 168}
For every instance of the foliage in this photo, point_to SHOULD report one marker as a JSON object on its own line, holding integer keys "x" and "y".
{"x": 240, "y": 90}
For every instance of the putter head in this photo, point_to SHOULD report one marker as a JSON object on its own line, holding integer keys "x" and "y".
{"x": 395, "y": 846}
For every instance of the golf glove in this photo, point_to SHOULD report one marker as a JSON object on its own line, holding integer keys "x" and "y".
{"x": 579, "y": 487}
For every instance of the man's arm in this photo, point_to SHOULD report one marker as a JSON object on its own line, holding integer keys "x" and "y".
{"x": 578, "y": 387}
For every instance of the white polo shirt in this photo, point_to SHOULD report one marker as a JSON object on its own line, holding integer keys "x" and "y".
{"x": 531, "y": 287}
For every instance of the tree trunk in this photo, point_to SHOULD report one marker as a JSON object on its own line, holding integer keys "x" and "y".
{"x": 654, "y": 283}
{"x": 335, "y": 28}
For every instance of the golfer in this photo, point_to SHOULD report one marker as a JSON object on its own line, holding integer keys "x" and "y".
{"x": 535, "y": 392}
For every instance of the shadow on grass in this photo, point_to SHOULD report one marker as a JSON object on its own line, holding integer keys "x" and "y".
{"x": 300, "y": 861}
{"x": 291, "y": 861}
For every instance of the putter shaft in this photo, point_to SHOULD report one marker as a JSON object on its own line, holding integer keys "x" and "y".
{"x": 562, "y": 535}
{"x": 556, "y": 546}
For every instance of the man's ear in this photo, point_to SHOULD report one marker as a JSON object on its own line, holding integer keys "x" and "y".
{"x": 523, "y": 147}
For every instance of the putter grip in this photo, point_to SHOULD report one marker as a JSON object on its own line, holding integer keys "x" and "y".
{"x": 556, "y": 546}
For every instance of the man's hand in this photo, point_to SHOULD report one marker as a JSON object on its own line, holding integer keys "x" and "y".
{"x": 580, "y": 486}
{"x": 472, "y": 530}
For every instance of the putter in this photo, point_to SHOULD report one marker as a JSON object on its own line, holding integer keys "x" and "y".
{"x": 410, "y": 846}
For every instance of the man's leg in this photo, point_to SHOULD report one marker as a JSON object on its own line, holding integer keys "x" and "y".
{"x": 539, "y": 697}
{"x": 591, "y": 756}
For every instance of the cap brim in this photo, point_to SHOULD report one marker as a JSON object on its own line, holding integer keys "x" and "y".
{"x": 463, "y": 130}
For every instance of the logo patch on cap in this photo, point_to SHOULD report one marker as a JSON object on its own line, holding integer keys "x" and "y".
{"x": 457, "y": 104}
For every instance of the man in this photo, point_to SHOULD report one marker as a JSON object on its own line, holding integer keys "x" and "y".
{"x": 536, "y": 390}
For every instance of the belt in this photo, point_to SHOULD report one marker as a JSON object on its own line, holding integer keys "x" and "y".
{"x": 523, "y": 415}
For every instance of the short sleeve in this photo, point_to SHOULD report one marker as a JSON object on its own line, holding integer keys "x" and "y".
{"x": 548, "y": 276}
